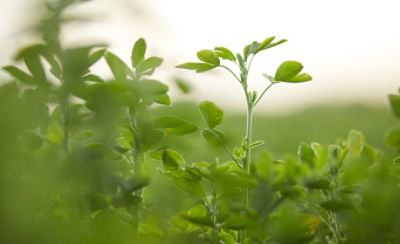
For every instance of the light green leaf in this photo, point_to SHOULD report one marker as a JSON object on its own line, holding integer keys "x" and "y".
{"x": 150, "y": 63}
{"x": 119, "y": 69}
{"x": 214, "y": 137}
{"x": 300, "y": 78}
{"x": 199, "y": 67}
{"x": 212, "y": 114}
{"x": 288, "y": 70}
{"x": 183, "y": 86}
{"x": 175, "y": 126}
{"x": 199, "y": 215}
{"x": 96, "y": 56}
{"x": 265, "y": 43}
{"x": 208, "y": 56}
{"x": 163, "y": 99}
{"x": 138, "y": 52}
{"x": 256, "y": 144}
{"x": 225, "y": 53}
{"x": 306, "y": 154}
{"x": 20, "y": 75}
{"x": 152, "y": 87}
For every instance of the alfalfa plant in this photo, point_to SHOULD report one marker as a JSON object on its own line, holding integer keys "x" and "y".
{"x": 287, "y": 72}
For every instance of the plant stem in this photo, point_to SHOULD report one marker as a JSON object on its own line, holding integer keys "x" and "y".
{"x": 64, "y": 108}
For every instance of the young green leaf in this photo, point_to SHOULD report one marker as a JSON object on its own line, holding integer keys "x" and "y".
{"x": 208, "y": 56}
{"x": 211, "y": 113}
{"x": 119, "y": 69}
{"x": 265, "y": 43}
{"x": 152, "y": 87}
{"x": 303, "y": 77}
{"x": 96, "y": 56}
{"x": 287, "y": 71}
{"x": 93, "y": 78}
{"x": 225, "y": 53}
{"x": 20, "y": 75}
{"x": 213, "y": 137}
{"x": 183, "y": 86}
{"x": 138, "y": 52}
{"x": 175, "y": 126}
{"x": 163, "y": 99}
{"x": 199, "y": 67}
{"x": 150, "y": 63}
{"x": 169, "y": 161}
{"x": 256, "y": 144}
{"x": 32, "y": 61}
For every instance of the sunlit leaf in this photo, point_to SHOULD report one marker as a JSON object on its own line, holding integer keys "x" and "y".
{"x": 211, "y": 113}
{"x": 208, "y": 56}
{"x": 138, "y": 52}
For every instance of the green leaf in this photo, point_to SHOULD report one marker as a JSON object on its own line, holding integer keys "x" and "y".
{"x": 119, "y": 69}
{"x": 175, "y": 126}
{"x": 246, "y": 51}
{"x": 392, "y": 137}
{"x": 212, "y": 114}
{"x": 318, "y": 184}
{"x": 152, "y": 87}
{"x": 20, "y": 75}
{"x": 93, "y": 78}
{"x": 214, "y": 137}
{"x": 135, "y": 183}
{"x": 225, "y": 53}
{"x": 199, "y": 215}
{"x": 287, "y": 71}
{"x": 96, "y": 56}
{"x": 163, "y": 99}
{"x": 34, "y": 65}
{"x": 32, "y": 141}
{"x": 169, "y": 162}
{"x": 150, "y": 63}
{"x": 138, "y": 52}
{"x": 274, "y": 44}
{"x": 336, "y": 205}
{"x": 183, "y": 86}
{"x": 199, "y": 67}
{"x": 190, "y": 182}
{"x": 395, "y": 104}
{"x": 256, "y": 144}
{"x": 208, "y": 56}
{"x": 265, "y": 43}
{"x": 300, "y": 78}
{"x": 306, "y": 154}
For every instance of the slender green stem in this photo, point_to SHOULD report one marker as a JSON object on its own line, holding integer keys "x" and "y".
{"x": 233, "y": 73}
{"x": 265, "y": 90}
{"x": 228, "y": 151}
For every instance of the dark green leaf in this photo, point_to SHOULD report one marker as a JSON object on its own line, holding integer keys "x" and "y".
{"x": 318, "y": 184}
{"x": 169, "y": 161}
{"x": 306, "y": 154}
{"x": 208, "y": 56}
{"x": 20, "y": 75}
{"x": 336, "y": 205}
{"x": 212, "y": 114}
{"x": 225, "y": 53}
{"x": 138, "y": 52}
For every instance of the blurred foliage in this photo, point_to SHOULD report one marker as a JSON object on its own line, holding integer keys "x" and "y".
{"x": 84, "y": 159}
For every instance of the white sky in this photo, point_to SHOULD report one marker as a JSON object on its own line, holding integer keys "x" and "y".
{"x": 350, "y": 47}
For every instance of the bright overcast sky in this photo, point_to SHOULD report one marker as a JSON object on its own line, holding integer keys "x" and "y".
{"x": 350, "y": 47}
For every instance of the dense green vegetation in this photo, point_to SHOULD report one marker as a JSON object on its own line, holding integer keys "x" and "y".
{"x": 88, "y": 159}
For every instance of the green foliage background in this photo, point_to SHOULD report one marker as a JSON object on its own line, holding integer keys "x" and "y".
{"x": 85, "y": 159}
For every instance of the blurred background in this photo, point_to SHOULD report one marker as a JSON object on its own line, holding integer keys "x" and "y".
{"x": 351, "y": 48}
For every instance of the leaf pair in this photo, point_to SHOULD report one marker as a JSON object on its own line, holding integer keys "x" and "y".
{"x": 209, "y": 57}
{"x": 142, "y": 65}
{"x": 289, "y": 71}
